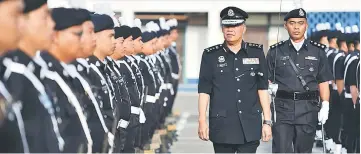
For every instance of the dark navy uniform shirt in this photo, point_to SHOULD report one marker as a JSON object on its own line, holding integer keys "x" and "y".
{"x": 22, "y": 89}
{"x": 310, "y": 60}
{"x": 312, "y": 64}
{"x": 232, "y": 80}
{"x": 352, "y": 71}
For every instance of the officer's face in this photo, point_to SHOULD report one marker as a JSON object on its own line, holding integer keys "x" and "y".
{"x": 167, "y": 41}
{"x": 106, "y": 42}
{"x": 343, "y": 46}
{"x": 119, "y": 47}
{"x": 351, "y": 47}
{"x": 10, "y": 16}
{"x": 357, "y": 46}
{"x": 233, "y": 33}
{"x": 129, "y": 45}
{"x": 38, "y": 28}
{"x": 88, "y": 40}
{"x": 68, "y": 41}
{"x": 155, "y": 42}
{"x": 174, "y": 34}
{"x": 148, "y": 47}
{"x": 296, "y": 28}
{"x": 138, "y": 45}
{"x": 159, "y": 43}
{"x": 334, "y": 42}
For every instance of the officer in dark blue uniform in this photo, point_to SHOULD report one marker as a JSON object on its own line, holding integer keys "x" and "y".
{"x": 300, "y": 68}
{"x": 8, "y": 41}
{"x": 233, "y": 78}
{"x": 174, "y": 56}
{"x": 336, "y": 59}
{"x": 150, "y": 105}
{"x": 149, "y": 38}
{"x": 68, "y": 93}
{"x": 105, "y": 45}
{"x": 352, "y": 100}
{"x": 25, "y": 87}
{"x": 130, "y": 81}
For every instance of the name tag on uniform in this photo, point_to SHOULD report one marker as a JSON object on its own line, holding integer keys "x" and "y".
{"x": 311, "y": 58}
{"x": 222, "y": 65}
{"x": 250, "y": 61}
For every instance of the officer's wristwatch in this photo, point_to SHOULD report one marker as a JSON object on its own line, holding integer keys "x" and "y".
{"x": 268, "y": 122}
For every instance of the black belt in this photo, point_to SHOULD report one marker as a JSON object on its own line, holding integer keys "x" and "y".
{"x": 311, "y": 95}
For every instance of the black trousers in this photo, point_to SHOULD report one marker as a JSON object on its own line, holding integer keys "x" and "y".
{"x": 288, "y": 138}
{"x": 333, "y": 124}
{"x": 249, "y": 147}
{"x": 351, "y": 126}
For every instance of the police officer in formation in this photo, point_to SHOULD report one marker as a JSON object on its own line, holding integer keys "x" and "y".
{"x": 342, "y": 128}
{"x": 74, "y": 82}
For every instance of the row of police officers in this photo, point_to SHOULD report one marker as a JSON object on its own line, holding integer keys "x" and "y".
{"x": 236, "y": 77}
{"x": 343, "y": 53}
{"x": 73, "y": 82}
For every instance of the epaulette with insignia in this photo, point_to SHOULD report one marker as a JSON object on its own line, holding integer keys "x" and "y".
{"x": 218, "y": 46}
{"x": 277, "y": 44}
{"x": 254, "y": 45}
{"x": 319, "y": 45}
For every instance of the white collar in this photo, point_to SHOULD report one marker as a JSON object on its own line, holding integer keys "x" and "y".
{"x": 298, "y": 45}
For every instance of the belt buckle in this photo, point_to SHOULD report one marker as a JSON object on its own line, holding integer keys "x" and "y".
{"x": 294, "y": 95}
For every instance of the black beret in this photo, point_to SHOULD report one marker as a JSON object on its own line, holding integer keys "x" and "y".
{"x": 356, "y": 38}
{"x": 102, "y": 22}
{"x": 233, "y": 16}
{"x": 147, "y": 36}
{"x": 67, "y": 17}
{"x": 122, "y": 31}
{"x": 136, "y": 32}
{"x": 341, "y": 37}
{"x": 333, "y": 34}
{"x": 296, "y": 13}
{"x": 31, "y": 5}
{"x": 319, "y": 34}
{"x": 350, "y": 38}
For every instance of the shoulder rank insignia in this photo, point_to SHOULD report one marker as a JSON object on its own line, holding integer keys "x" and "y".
{"x": 212, "y": 48}
{"x": 277, "y": 44}
{"x": 319, "y": 45}
{"x": 254, "y": 45}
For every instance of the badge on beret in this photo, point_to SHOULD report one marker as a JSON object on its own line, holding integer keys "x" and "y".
{"x": 250, "y": 61}
{"x": 301, "y": 13}
{"x": 221, "y": 59}
{"x": 230, "y": 12}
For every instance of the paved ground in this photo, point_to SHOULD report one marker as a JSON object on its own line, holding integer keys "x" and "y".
{"x": 188, "y": 141}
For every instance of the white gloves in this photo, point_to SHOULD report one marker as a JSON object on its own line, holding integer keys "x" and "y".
{"x": 142, "y": 117}
{"x": 323, "y": 114}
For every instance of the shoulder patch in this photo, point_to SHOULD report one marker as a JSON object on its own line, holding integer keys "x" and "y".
{"x": 319, "y": 45}
{"x": 254, "y": 45}
{"x": 212, "y": 48}
{"x": 277, "y": 44}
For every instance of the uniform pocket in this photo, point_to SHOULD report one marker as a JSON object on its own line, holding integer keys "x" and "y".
{"x": 216, "y": 120}
{"x": 282, "y": 68}
{"x": 311, "y": 67}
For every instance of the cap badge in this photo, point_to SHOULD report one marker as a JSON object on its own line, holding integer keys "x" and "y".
{"x": 221, "y": 59}
{"x": 301, "y": 13}
{"x": 230, "y": 12}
